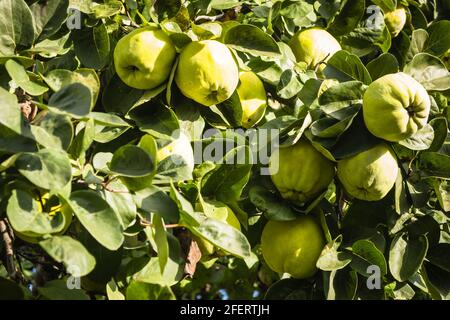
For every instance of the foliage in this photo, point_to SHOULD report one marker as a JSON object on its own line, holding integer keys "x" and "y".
{"x": 71, "y": 128}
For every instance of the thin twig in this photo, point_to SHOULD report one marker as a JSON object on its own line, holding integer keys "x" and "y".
{"x": 9, "y": 250}
{"x": 146, "y": 223}
{"x": 210, "y": 18}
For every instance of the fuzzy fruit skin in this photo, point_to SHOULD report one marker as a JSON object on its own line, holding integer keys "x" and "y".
{"x": 395, "y": 20}
{"x": 303, "y": 172}
{"x": 395, "y": 107}
{"x": 369, "y": 175}
{"x": 207, "y": 72}
{"x": 222, "y": 213}
{"x": 252, "y": 95}
{"x": 144, "y": 58}
{"x": 293, "y": 246}
{"x": 313, "y": 46}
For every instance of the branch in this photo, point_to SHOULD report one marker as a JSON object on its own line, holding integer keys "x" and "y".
{"x": 210, "y": 18}
{"x": 9, "y": 251}
{"x": 146, "y": 223}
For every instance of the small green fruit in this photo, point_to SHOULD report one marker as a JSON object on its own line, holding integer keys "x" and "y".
{"x": 395, "y": 20}
{"x": 314, "y": 46}
{"x": 395, "y": 107}
{"x": 293, "y": 246}
{"x": 300, "y": 172}
{"x": 369, "y": 175}
{"x": 253, "y": 98}
{"x": 144, "y": 58}
{"x": 207, "y": 72}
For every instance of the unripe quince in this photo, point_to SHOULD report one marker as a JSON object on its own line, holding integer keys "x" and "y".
{"x": 395, "y": 20}
{"x": 314, "y": 46}
{"x": 293, "y": 246}
{"x": 144, "y": 58}
{"x": 219, "y": 211}
{"x": 253, "y": 98}
{"x": 395, "y": 107}
{"x": 207, "y": 72}
{"x": 300, "y": 172}
{"x": 369, "y": 175}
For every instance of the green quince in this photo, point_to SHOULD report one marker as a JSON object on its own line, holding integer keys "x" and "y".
{"x": 446, "y": 59}
{"x": 207, "y": 72}
{"x": 144, "y": 58}
{"x": 313, "y": 47}
{"x": 300, "y": 172}
{"x": 369, "y": 175}
{"x": 293, "y": 247}
{"x": 252, "y": 95}
{"x": 395, "y": 107}
{"x": 395, "y": 20}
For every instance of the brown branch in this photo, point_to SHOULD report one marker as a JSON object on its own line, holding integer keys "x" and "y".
{"x": 146, "y": 223}
{"x": 8, "y": 239}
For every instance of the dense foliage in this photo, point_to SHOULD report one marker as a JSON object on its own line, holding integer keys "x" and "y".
{"x": 104, "y": 193}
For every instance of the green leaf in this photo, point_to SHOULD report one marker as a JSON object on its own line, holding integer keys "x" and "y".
{"x": 121, "y": 201}
{"x": 224, "y": 236}
{"x": 383, "y": 65}
{"x": 16, "y": 26}
{"x": 345, "y": 66}
{"x": 421, "y": 140}
{"x": 53, "y": 130}
{"x": 406, "y": 255}
{"x": 18, "y": 73}
{"x": 25, "y": 217}
{"x": 77, "y": 260}
{"x": 92, "y": 46}
{"x": 419, "y": 39}
{"x": 48, "y": 17}
{"x": 48, "y": 168}
{"x": 439, "y": 41}
{"x": 228, "y": 180}
{"x": 366, "y": 254}
{"x": 251, "y": 39}
{"x": 162, "y": 244}
{"x": 435, "y": 164}
{"x": 112, "y": 291}
{"x": 173, "y": 272}
{"x": 429, "y": 71}
{"x": 166, "y": 9}
{"x": 271, "y": 205}
{"x": 10, "y": 290}
{"x": 301, "y": 12}
{"x": 153, "y": 199}
{"x": 349, "y": 16}
{"x": 289, "y": 85}
{"x": 118, "y": 97}
{"x": 157, "y": 120}
{"x": 440, "y": 256}
{"x": 132, "y": 161}
{"x": 58, "y": 290}
{"x": 60, "y": 78}
{"x": 146, "y": 291}
{"x": 331, "y": 259}
{"x": 83, "y": 140}
{"x": 73, "y": 100}
{"x": 342, "y": 285}
{"x": 97, "y": 217}
{"x": 11, "y": 117}
{"x": 107, "y": 9}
